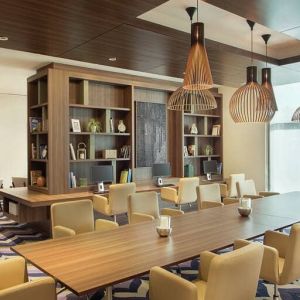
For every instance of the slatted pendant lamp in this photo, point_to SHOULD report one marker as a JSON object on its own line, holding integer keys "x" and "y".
{"x": 192, "y": 101}
{"x": 266, "y": 73}
{"x": 192, "y": 98}
{"x": 251, "y": 102}
{"x": 296, "y": 115}
{"x": 197, "y": 72}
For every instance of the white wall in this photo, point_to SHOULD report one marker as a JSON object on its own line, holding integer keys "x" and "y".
{"x": 244, "y": 145}
{"x": 13, "y": 133}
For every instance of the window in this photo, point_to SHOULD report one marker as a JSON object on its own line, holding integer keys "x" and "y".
{"x": 284, "y": 141}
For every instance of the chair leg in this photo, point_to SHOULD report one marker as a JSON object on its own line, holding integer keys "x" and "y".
{"x": 275, "y": 295}
{"x": 179, "y": 206}
{"x": 108, "y": 295}
{"x": 115, "y": 218}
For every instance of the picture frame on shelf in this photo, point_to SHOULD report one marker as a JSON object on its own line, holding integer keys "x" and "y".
{"x": 43, "y": 151}
{"x": 35, "y": 124}
{"x": 216, "y": 130}
{"x": 75, "y": 125}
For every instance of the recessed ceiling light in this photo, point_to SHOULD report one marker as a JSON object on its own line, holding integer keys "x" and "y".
{"x": 112, "y": 59}
{"x": 3, "y": 38}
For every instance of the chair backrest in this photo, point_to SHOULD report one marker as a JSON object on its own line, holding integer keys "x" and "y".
{"x": 165, "y": 285}
{"x": 187, "y": 190}
{"x": 209, "y": 192}
{"x": 77, "y": 215}
{"x": 234, "y": 275}
{"x": 291, "y": 268}
{"x": 146, "y": 203}
{"x": 118, "y": 196}
{"x": 19, "y": 181}
{"x": 246, "y": 187}
{"x": 233, "y": 179}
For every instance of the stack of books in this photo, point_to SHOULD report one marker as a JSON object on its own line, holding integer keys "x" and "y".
{"x": 126, "y": 176}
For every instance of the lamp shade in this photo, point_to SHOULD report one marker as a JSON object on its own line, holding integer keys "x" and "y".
{"x": 267, "y": 83}
{"x": 251, "y": 102}
{"x": 296, "y": 115}
{"x": 197, "y": 72}
{"x": 195, "y": 100}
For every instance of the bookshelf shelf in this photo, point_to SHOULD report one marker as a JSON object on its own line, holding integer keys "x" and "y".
{"x": 101, "y": 133}
{"x": 99, "y": 107}
{"x": 202, "y": 135}
{"x": 39, "y": 105}
{"x": 98, "y": 160}
{"x": 40, "y": 160}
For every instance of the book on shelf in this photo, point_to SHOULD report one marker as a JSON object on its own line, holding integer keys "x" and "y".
{"x": 34, "y": 174}
{"x": 72, "y": 152}
{"x": 35, "y": 124}
{"x": 129, "y": 177}
{"x": 216, "y": 130}
{"x": 33, "y": 151}
{"x": 73, "y": 183}
{"x": 112, "y": 127}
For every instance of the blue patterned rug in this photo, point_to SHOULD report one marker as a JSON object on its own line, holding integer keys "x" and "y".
{"x": 12, "y": 234}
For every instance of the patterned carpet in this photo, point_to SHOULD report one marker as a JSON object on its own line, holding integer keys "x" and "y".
{"x": 12, "y": 234}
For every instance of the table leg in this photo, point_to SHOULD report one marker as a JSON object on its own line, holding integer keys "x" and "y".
{"x": 109, "y": 295}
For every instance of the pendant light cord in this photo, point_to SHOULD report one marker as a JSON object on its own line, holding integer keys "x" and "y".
{"x": 197, "y": 9}
{"x": 266, "y": 55}
{"x": 252, "y": 46}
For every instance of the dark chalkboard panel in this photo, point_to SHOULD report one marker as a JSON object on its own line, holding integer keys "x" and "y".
{"x": 151, "y": 134}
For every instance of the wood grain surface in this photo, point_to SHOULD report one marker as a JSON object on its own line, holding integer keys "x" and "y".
{"x": 86, "y": 262}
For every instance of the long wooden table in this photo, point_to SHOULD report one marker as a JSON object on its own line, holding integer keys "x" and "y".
{"x": 89, "y": 261}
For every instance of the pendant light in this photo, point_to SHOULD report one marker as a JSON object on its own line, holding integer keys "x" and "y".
{"x": 266, "y": 73}
{"x": 197, "y": 72}
{"x": 251, "y": 102}
{"x": 296, "y": 115}
{"x": 192, "y": 100}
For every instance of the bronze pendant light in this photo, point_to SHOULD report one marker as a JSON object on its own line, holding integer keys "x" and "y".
{"x": 197, "y": 72}
{"x": 296, "y": 115}
{"x": 192, "y": 100}
{"x": 251, "y": 102}
{"x": 266, "y": 73}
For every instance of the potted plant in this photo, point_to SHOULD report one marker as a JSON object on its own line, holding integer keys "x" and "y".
{"x": 94, "y": 126}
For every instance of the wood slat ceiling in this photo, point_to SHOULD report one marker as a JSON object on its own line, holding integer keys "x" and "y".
{"x": 92, "y": 31}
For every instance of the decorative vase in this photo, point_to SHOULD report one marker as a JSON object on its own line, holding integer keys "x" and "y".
{"x": 208, "y": 150}
{"x": 194, "y": 129}
{"x": 93, "y": 128}
{"x": 41, "y": 181}
{"x": 121, "y": 126}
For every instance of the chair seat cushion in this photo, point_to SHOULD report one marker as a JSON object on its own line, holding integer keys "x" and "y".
{"x": 201, "y": 287}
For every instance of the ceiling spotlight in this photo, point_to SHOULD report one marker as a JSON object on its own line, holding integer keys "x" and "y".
{"x": 3, "y": 38}
{"x": 112, "y": 59}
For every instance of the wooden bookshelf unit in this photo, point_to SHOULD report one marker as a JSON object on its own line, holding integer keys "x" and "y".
{"x": 58, "y": 93}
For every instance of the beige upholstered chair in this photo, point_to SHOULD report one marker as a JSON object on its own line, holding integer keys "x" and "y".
{"x": 186, "y": 192}
{"x": 75, "y": 217}
{"x": 19, "y": 181}
{"x": 116, "y": 203}
{"x": 246, "y": 188}
{"x": 144, "y": 207}
{"x": 229, "y": 189}
{"x": 209, "y": 195}
{"x": 14, "y": 283}
{"x": 231, "y": 276}
{"x": 281, "y": 260}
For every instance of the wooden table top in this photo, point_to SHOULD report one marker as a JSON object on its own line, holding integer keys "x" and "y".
{"x": 88, "y": 261}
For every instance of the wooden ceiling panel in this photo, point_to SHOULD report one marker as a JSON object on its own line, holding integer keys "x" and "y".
{"x": 133, "y": 47}
{"x": 54, "y": 27}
